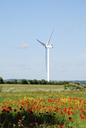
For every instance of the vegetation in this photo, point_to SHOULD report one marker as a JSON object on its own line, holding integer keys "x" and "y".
{"x": 34, "y": 81}
{"x": 1, "y": 80}
{"x": 74, "y": 86}
{"x": 42, "y": 106}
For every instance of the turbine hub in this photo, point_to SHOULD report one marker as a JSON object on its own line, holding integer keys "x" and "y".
{"x": 49, "y": 46}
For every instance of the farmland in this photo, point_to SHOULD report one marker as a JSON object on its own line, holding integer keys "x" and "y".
{"x": 41, "y": 106}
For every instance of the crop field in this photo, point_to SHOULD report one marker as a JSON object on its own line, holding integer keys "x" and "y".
{"x": 41, "y": 106}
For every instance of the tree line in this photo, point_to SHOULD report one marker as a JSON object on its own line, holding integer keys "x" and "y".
{"x": 34, "y": 81}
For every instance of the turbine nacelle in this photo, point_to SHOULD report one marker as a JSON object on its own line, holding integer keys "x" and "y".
{"x": 49, "y": 45}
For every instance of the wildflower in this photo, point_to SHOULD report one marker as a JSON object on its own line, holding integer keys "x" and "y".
{"x": 82, "y": 117}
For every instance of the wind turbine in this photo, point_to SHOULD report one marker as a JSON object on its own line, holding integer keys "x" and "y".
{"x": 47, "y": 46}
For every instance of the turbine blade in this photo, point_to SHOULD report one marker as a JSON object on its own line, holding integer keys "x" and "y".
{"x": 41, "y": 43}
{"x": 50, "y": 37}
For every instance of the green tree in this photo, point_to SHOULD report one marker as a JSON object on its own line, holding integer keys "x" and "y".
{"x": 24, "y": 81}
{"x": 1, "y": 80}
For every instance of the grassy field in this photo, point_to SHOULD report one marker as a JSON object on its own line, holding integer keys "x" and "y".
{"x": 20, "y": 91}
{"x": 29, "y": 88}
{"x": 43, "y": 91}
{"x": 51, "y": 97}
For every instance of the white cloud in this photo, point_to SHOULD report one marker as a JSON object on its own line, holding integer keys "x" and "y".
{"x": 24, "y": 45}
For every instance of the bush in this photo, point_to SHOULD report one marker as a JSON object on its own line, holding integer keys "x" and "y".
{"x": 1, "y": 80}
{"x": 23, "y": 81}
{"x": 73, "y": 86}
{"x": 14, "y": 81}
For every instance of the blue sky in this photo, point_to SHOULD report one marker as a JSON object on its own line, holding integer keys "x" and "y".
{"x": 24, "y": 21}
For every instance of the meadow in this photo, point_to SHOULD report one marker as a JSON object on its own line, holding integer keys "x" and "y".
{"x": 41, "y": 106}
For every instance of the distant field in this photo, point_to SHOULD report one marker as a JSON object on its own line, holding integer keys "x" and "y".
{"x": 15, "y": 91}
{"x": 29, "y": 88}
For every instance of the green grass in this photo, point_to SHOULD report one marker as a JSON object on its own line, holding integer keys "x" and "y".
{"x": 15, "y": 91}
{"x": 29, "y": 88}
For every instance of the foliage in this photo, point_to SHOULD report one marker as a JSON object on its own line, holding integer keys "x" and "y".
{"x": 1, "y": 80}
{"x": 12, "y": 81}
{"x": 74, "y": 86}
{"x": 42, "y": 82}
{"x": 22, "y": 81}
{"x": 38, "y": 81}
{"x": 31, "y": 112}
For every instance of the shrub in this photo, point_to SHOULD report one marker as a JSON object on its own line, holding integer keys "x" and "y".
{"x": 23, "y": 81}
{"x": 1, "y": 80}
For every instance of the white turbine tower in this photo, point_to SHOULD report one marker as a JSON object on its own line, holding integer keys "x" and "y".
{"x": 47, "y": 46}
